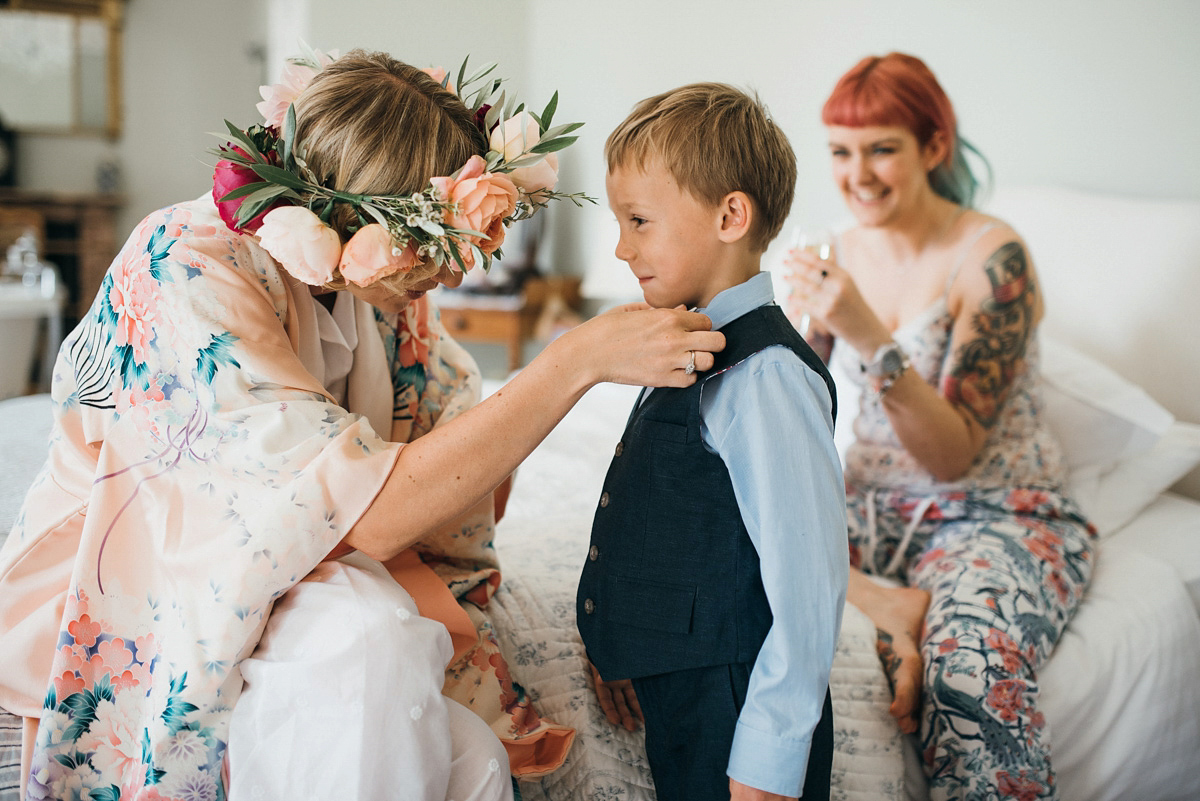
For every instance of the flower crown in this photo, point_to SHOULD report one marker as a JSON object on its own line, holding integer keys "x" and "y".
{"x": 262, "y": 185}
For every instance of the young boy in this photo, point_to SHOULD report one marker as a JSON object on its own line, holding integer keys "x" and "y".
{"x": 718, "y": 563}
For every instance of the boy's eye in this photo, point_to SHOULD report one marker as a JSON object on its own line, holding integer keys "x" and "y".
{"x": 636, "y": 220}
{"x": 884, "y": 151}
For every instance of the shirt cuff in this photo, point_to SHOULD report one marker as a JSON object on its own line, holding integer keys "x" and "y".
{"x": 769, "y": 763}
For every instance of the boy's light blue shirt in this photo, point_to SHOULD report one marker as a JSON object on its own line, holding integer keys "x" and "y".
{"x": 770, "y": 420}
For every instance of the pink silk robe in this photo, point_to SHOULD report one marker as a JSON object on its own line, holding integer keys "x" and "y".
{"x": 197, "y": 471}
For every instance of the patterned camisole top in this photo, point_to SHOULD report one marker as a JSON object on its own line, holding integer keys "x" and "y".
{"x": 1019, "y": 451}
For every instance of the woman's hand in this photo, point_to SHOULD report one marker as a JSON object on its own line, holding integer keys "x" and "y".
{"x": 830, "y": 297}
{"x": 644, "y": 346}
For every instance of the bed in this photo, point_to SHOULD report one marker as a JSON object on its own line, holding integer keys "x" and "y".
{"x": 1122, "y": 690}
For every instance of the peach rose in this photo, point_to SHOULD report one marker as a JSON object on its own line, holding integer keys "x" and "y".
{"x": 371, "y": 254}
{"x": 303, "y": 245}
{"x": 439, "y": 75}
{"x": 295, "y": 79}
{"x": 516, "y": 136}
{"x": 483, "y": 200}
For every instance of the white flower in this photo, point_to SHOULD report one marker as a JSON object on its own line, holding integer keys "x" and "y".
{"x": 115, "y": 736}
{"x": 76, "y": 785}
{"x": 303, "y": 245}
{"x": 50, "y": 731}
{"x": 517, "y": 135}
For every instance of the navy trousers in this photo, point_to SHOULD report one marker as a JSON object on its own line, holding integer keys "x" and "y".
{"x": 691, "y": 716}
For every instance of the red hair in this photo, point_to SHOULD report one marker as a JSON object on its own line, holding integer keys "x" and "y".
{"x": 896, "y": 89}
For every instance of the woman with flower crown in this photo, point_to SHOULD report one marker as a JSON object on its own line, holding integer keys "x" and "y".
{"x": 261, "y": 545}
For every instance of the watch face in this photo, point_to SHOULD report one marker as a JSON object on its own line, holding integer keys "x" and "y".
{"x": 892, "y": 361}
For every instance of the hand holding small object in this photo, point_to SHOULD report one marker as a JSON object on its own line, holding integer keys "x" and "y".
{"x": 829, "y": 297}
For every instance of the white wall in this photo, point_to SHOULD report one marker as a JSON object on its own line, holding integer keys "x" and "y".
{"x": 1090, "y": 94}
{"x": 428, "y": 34}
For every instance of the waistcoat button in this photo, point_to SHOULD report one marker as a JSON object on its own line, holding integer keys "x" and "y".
{"x": 593, "y": 553}
{"x": 620, "y": 448}
{"x": 603, "y": 500}
{"x": 589, "y": 606}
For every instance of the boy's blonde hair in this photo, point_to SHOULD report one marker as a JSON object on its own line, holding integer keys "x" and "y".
{"x": 714, "y": 139}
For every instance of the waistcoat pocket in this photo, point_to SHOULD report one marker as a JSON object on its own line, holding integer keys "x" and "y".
{"x": 652, "y": 605}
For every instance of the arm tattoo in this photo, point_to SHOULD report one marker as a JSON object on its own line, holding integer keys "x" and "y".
{"x": 986, "y": 364}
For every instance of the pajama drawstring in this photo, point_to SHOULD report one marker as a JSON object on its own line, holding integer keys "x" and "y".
{"x": 910, "y": 531}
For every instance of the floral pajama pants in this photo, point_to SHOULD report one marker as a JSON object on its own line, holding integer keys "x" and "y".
{"x": 1006, "y": 570}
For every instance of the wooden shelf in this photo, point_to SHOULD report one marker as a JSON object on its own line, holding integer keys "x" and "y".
{"x": 508, "y": 321}
{"x": 80, "y": 238}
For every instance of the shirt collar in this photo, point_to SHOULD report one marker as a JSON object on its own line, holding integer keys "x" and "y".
{"x": 732, "y": 303}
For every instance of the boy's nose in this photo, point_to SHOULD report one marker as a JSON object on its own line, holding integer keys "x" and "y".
{"x": 623, "y": 251}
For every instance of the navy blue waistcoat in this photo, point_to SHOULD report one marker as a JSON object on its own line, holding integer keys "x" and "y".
{"x": 671, "y": 580}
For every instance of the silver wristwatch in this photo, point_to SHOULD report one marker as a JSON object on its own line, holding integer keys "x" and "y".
{"x": 886, "y": 366}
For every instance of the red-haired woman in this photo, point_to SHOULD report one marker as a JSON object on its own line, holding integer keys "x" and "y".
{"x": 953, "y": 481}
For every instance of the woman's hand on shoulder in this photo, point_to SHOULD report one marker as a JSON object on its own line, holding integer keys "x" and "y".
{"x": 640, "y": 345}
{"x": 829, "y": 295}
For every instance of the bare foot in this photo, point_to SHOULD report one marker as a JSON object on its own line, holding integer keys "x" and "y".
{"x": 899, "y": 615}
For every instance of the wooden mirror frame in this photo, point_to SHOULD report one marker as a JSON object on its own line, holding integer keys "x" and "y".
{"x": 111, "y": 13}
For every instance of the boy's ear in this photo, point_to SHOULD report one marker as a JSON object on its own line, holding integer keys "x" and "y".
{"x": 736, "y": 216}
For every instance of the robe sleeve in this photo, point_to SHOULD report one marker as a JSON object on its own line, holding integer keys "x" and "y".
{"x": 197, "y": 471}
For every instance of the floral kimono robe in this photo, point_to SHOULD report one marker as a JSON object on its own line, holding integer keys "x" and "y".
{"x": 197, "y": 471}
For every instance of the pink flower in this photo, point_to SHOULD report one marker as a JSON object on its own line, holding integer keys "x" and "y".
{"x": 147, "y": 648}
{"x": 482, "y": 199}
{"x": 295, "y": 79}
{"x": 439, "y": 75}
{"x": 413, "y": 346}
{"x": 371, "y": 254}
{"x": 1023, "y": 786}
{"x": 114, "y": 655}
{"x": 1004, "y": 645}
{"x": 84, "y": 630}
{"x": 303, "y": 245}
{"x": 1027, "y": 500}
{"x": 516, "y": 136}
{"x": 133, "y": 300}
{"x": 1008, "y": 698}
{"x": 67, "y": 684}
{"x": 227, "y": 177}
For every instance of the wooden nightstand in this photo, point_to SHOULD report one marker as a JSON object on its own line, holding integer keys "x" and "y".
{"x": 506, "y": 320}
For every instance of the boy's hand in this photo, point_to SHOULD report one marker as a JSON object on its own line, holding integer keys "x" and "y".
{"x": 618, "y": 700}
{"x": 742, "y": 792}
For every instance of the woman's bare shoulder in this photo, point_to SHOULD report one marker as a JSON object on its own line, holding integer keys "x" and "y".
{"x": 996, "y": 264}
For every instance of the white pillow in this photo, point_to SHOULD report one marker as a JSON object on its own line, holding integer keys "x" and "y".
{"x": 1122, "y": 448}
{"x": 1113, "y": 496}
{"x": 1098, "y": 417}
